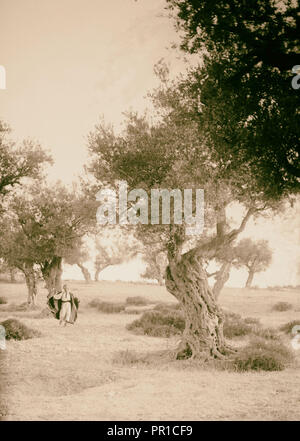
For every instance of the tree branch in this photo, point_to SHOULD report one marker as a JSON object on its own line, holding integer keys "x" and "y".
{"x": 234, "y": 233}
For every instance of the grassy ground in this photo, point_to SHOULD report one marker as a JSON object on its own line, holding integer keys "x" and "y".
{"x": 71, "y": 374}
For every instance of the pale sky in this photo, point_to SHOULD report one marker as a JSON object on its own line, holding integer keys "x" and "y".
{"x": 70, "y": 62}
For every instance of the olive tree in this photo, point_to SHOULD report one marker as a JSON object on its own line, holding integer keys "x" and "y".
{"x": 78, "y": 256}
{"x": 43, "y": 226}
{"x": 113, "y": 248}
{"x": 171, "y": 152}
{"x": 18, "y": 161}
{"x": 256, "y": 256}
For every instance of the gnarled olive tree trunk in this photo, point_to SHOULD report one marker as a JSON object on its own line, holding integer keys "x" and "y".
{"x": 52, "y": 272}
{"x": 203, "y": 336}
{"x": 186, "y": 279}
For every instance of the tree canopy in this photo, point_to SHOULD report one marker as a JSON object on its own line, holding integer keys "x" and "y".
{"x": 242, "y": 90}
{"x": 18, "y": 162}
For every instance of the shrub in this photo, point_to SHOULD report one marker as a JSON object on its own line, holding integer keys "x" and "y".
{"x": 136, "y": 309}
{"x": 166, "y": 307}
{"x": 137, "y": 301}
{"x": 133, "y": 311}
{"x": 266, "y": 333}
{"x": 232, "y": 315}
{"x": 288, "y": 327}
{"x": 159, "y": 324}
{"x": 107, "y": 307}
{"x": 236, "y": 326}
{"x": 94, "y": 303}
{"x": 232, "y": 329}
{"x": 282, "y": 306}
{"x": 252, "y": 321}
{"x": 262, "y": 355}
{"x": 166, "y": 320}
{"x": 111, "y": 308}
{"x": 3, "y": 300}
{"x": 16, "y": 330}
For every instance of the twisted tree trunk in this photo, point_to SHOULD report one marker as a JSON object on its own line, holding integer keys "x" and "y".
{"x": 99, "y": 269}
{"x": 250, "y": 278}
{"x": 221, "y": 278}
{"x": 52, "y": 272}
{"x": 85, "y": 272}
{"x": 186, "y": 279}
{"x": 203, "y": 334}
{"x": 97, "y": 272}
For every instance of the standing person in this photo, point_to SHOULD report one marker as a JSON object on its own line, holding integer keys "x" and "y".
{"x": 64, "y": 306}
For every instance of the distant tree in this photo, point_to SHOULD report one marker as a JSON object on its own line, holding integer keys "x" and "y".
{"x": 255, "y": 256}
{"x": 8, "y": 270}
{"x": 156, "y": 265}
{"x": 42, "y": 226}
{"x": 104, "y": 259}
{"x": 113, "y": 250}
{"x": 78, "y": 256}
{"x": 17, "y": 252}
{"x": 18, "y": 162}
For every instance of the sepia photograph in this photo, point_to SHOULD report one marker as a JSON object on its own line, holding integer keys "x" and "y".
{"x": 149, "y": 213}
